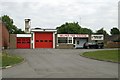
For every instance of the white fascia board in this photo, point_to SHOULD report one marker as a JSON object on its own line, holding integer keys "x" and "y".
{"x": 51, "y": 30}
{"x": 36, "y": 30}
{"x": 23, "y": 35}
{"x": 43, "y": 30}
{"x": 33, "y": 40}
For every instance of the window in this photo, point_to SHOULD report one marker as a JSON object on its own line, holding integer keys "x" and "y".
{"x": 62, "y": 39}
{"x": 50, "y": 40}
{"x": 41, "y": 40}
{"x": 74, "y": 41}
{"x": 18, "y": 42}
{"x": 37, "y": 40}
{"x": 65, "y": 40}
{"x": 77, "y": 42}
{"x": 45, "y": 40}
{"x": 69, "y": 39}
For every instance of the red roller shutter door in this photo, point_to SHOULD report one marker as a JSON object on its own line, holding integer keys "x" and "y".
{"x": 43, "y": 40}
{"x": 23, "y": 43}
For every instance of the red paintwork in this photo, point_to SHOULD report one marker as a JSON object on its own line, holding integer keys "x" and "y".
{"x": 23, "y": 42}
{"x": 43, "y": 40}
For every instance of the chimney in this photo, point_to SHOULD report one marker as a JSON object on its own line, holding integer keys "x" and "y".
{"x": 27, "y": 25}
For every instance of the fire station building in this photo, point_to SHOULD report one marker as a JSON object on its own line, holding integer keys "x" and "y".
{"x": 48, "y": 38}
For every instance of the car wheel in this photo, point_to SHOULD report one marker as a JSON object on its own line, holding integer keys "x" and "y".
{"x": 101, "y": 47}
{"x": 88, "y": 47}
{"x": 98, "y": 47}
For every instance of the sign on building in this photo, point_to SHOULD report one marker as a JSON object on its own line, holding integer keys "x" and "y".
{"x": 97, "y": 37}
{"x": 73, "y": 35}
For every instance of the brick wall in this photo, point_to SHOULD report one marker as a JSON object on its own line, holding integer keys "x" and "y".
{"x": 12, "y": 41}
{"x": 0, "y": 36}
{"x": 4, "y": 43}
{"x": 65, "y": 46}
{"x": 111, "y": 44}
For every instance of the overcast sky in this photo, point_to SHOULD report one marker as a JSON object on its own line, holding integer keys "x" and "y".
{"x": 93, "y": 14}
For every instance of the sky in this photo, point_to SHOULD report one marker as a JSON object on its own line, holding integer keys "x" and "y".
{"x": 93, "y": 14}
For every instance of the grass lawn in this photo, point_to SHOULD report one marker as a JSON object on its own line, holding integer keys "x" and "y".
{"x": 106, "y": 55}
{"x": 8, "y": 60}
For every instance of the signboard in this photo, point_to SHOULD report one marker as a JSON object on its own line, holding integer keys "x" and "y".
{"x": 23, "y": 35}
{"x": 97, "y": 37}
{"x": 73, "y": 35}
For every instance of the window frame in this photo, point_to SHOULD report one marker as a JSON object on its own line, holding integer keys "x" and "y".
{"x": 69, "y": 40}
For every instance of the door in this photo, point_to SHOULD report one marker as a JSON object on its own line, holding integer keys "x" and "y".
{"x": 23, "y": 42}
{"x": 43, "y": 40}
{"x": 79, "y": 43}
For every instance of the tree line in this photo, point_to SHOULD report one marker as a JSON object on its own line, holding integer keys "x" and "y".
{"x": 75, "y": 28}
{"x": 67, "y": 28}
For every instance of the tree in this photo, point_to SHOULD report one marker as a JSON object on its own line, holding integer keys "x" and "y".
{"x": 101, "y": 31}
{"x": 19, "y": 31}
{"x": 86, "y": 31}
{"x": 68, "y": 28}
{"x": 72, "y": 28}
{"x": 114, "y": 31}
{"x": 10, "y": 25}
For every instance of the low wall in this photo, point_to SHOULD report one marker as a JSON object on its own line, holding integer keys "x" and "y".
{"x": 65, "y": 46}
{"x": 112, "y": 45}
{"x": 0, "y": 36}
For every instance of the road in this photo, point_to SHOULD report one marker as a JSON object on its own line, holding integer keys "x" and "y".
{"x": 59, "y": 63}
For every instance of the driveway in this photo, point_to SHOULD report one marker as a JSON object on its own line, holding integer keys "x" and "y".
{"x": 59, "y": 63}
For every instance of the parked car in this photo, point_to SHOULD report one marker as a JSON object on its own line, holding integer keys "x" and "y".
{"x": 95, "y": 45}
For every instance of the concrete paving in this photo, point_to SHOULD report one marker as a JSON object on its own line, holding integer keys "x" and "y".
{"x": 59, "y": 63}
